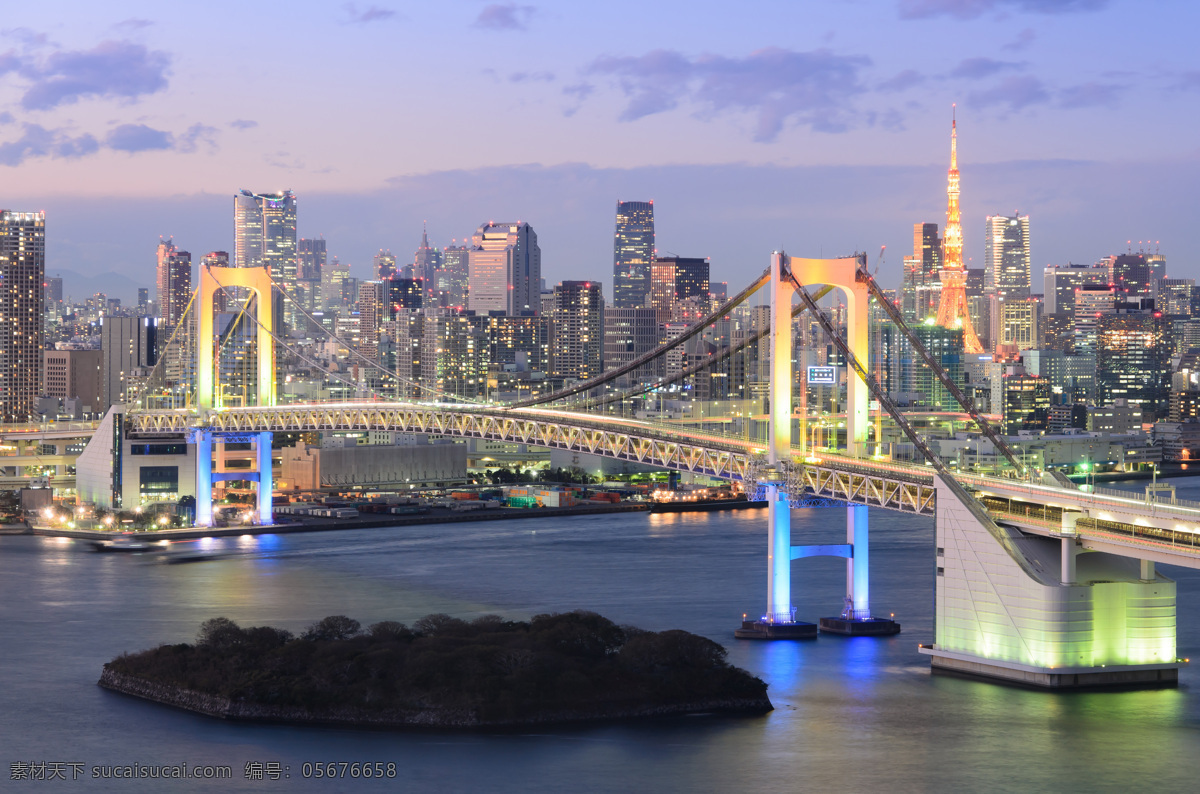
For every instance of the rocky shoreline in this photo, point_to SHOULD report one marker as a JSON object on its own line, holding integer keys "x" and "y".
{"x": 432, "y": 717}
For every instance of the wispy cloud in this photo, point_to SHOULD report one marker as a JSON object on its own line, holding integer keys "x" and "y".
{"x": 506, "y": 16}
{"x": 971, "y": 9}
{"x": 779, "y": 86}
{"x": 901, "y": 82}
{"x": 133, "y": 24}
{"x": 1089, "y": 95}
{"x": 138, "y": 138}
{"x": 243, "y": 124}
{"x": 367, "y": 15}
{"x": 1025, "y": 38}
{"x": 195, "y": 135}
{"x": 110, "y": 70}
{"x": 1012, "y": 94}
{"x": 978, "y": 68}
{"x": 37, "y": 141}
{"x": 531, "y": 77}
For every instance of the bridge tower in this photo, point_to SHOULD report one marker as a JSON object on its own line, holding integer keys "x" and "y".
{"x": 208, "y": 387}
{"x": 779, "y": 620}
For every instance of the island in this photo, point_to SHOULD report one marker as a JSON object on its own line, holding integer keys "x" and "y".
{"x": 442, "y": 672}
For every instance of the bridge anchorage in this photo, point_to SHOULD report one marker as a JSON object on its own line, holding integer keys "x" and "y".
{"x": 1035, "y": 582}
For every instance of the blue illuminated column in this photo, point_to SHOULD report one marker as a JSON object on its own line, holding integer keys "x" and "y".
{"x": 204, "y": 465}
{"x": 265, "y": 482}
{"x": 858, "y": 564}
{"x": 779, "y": 556}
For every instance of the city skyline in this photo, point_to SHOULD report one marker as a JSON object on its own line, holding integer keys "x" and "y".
{"x": 833, "y": 110}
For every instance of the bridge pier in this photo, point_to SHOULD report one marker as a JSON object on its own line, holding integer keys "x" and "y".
{"x": 266, "y": 515}
{"x": 204, "y": 477}
{"x": 1030, "y": 610}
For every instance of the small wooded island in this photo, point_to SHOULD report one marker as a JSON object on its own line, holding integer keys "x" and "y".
{"x": 441, "y": 672}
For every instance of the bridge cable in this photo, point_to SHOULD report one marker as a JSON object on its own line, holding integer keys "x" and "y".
{"x": 966, "y": 402}
{"x": 698, "y": 327}
{"x": 162, "y": 357}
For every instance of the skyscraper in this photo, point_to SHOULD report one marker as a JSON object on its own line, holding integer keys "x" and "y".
{"x": 952, "y": 308}
{"x": 633, "y": 253}
{"x": 577, "y": 328}
{"x": 427, "y": 261}
{"x": 265, "y": 235}
{"x": 1006, "y": 256}
{"x": 385, "y": 264}
{"x": 174, "y": 281}
{"x": 921, "y": 290}
{"x": 505, "y": 269}
{"x": 22, "y": 303}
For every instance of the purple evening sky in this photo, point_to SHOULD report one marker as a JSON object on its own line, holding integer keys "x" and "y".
{"x": 820, "y": 128}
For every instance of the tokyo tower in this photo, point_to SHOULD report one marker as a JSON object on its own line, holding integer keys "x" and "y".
{"x": 952, "y": 310}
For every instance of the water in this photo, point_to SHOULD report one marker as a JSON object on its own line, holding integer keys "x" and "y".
{"x": 851, "y": 714}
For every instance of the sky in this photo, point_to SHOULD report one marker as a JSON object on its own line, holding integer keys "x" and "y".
{"x": 819, "y": 128}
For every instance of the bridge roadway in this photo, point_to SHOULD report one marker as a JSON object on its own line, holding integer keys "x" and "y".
{"x": 1129, "y": 526}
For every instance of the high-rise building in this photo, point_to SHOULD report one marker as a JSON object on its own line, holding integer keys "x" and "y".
{"x": 1175, "y": 296}
{"x": 628, "y": 333}
{"x": 310, "y": 261}
{"x": 505, "y": 269}
{"x": 427, "y": 261}
{"x": 22, "y": 306}
{"x": 946, "y": 347}
{"x": 174, "y": 283}
{"x": 143, "y": 300}
{"x": 1133, "y": 361}
{"x": 577, "y": 328}
{"x": 952, "y": 304}
{"x": 403, "y": 293}
{"x": 1026, "y": 403}
{"x": 265, "y": 235}
{"x": 633, "y": 253}
{"x": 1134, "y": 274}
{"x": 1092, "y": 301}
{"x": 1006, "y": 256}
{"x": 371, "y": 300}
{"x": 454, "y": 275}
{"x": 1059, "y": 283}
{"x": 385, "y": 265}
{"x": 520, "y": 341}
{"x": 676, "y": 278}
{"x": 129, "y": 350}
{"x": 73, "y": 374}
{"x": 921, "y": 289}
{"x": 1015, "y": 323}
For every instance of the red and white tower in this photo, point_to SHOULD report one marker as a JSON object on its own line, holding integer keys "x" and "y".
{"x": 952, "y": 311}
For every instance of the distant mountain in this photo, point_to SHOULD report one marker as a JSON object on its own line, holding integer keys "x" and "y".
{"x": 79, "y": 287}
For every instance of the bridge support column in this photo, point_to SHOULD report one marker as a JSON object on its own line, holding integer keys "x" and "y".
{"x": 1068, "y": 560}
{"x": 779, "y": 557}
{"x": 265, "y": 481}
{"x": 204, "y": 477}
{"x": 1147, "y": 570}
{"x": 857, "y": 566}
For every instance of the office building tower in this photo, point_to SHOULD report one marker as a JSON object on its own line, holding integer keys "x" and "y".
{"x": 404, "y": 293}
{"x": 628, "y": 333}
{"x": 143, "y": 300}
{"x": 310, "y": 262}
{"x": 174, "y": 283}
{"x": 1026, "y": 403}
{"x": 577, "y": 328}
{"x": 952, "y": 303}
{"x": 1059, "y": 283}
{"x": 427, "y": 261}
{"x": 1006, "y": 258}
{"x": 265, "y": 235}
{"x": 520, "y": 342}
{"x": 371, "y": 300}
{"x": 455, "y": 359}
{"x": 73, "y": 374}
{"x": 676, "y": 278}
{"x": 1092, "y": 301}
{"x": 1134, "y": 274}
{"x": 453, "y": 277}
{"x": 1133, "y": 361}
{"x": 1175, "y": 296}
{"x": 22, "y": 307}
{"x": 921, "y": 289}
{"x": 1015, "y": 324}
{"x": 129, "y": 351}
{"x": 385, "y": 265}
{"x": 946, "y": 347}
{"x": 505, "y": 269}
{"x": 333, "y": 290}
{"x": 633, "y": 253}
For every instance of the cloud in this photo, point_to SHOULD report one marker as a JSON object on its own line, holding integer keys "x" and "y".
{"x": 37, "y": 141}
{"x": 778, "y": 85}
{"x": 367, "y": 15}
{"x": 138, "y": 138}
{"x": 7, "y": 118}
{"x": 1015, "y": 93}
{"x": 1187, "y": 81}
{"x": 243, "y": 124}
{"x": 971, "y": 9}
{"x": 533, "y": 77}
{"x": 508, "y": 16}
{"x": 196, "y": 134}
{"x": 1089, "y": 95}
{"x": 901, "y": 82}
{"x": 1022, "y": 41}
{"x": 111, "y": 69}
{"x": 133, "y": 24}
{"x": 978, "y": 68}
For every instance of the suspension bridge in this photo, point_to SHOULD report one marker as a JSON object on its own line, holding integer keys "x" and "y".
{"x": 1035, "y": 580}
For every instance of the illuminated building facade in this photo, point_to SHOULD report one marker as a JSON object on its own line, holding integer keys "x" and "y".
{"x": 1133, "y": 360}
{"x": 174, "y": 281}
{"x": 952, "y": 305}
{"x": 264, "y": 234}
{"x": 505, "y": 269}
{"x": 453, "y": 277}
{"x": 921, "y": 289}
{"x": 577, "y": 328}
{"x": 633, "y": 253}
{"x": 1026, "y": 403}
{"x": 403, "y": 293}
{"x": 1007, "y": 264}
